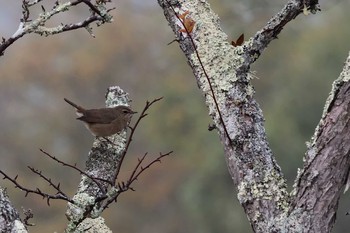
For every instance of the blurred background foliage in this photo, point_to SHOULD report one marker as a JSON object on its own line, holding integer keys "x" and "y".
{"x": 192, "y": 190}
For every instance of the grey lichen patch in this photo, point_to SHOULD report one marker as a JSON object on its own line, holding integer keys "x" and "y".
{"x": 77, "y": 211}
{"x": 271, "y": 188}
{"x": 111, "y": 195}
{"x": 286, "y": 223}
{"x": 346, "y": 76}
{"x": 86, "y": 184}
{"x": 116, "y": 96}
{"x": 44, "y": 31}
{"x": 213, "y": 48}
{"x": 63, "y": 7}
{"x": 239, "y": 50}
{"x": 250, "y": 90}
{"x": 19, "y": 227}
{"x": 43, "y": 17}
{"x": 93, "y": 225}
{"x": 295, "y": 185}
{"x": 115, "y": 143}
{"x": 311, "y": 154}
{"x": 297, "y": 221}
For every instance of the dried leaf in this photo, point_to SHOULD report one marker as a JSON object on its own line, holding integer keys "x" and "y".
{"x": 189, "y": 25}
{"x": 187, "y": 22}
{"x": 239, "y": 41}
{"x": 183, "y": 15}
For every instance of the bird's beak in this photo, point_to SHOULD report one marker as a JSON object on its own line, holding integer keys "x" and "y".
{"x": 132, "y": 112}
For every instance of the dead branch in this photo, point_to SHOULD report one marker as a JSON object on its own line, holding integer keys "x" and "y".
{"x": 59, "y": 196}
{"x": 98, "y": 13}
{"x": 122, "y": 186}
{"x": 133, "y": 128}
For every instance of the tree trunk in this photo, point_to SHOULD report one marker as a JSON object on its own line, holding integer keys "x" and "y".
{"x": 223, "y": 74}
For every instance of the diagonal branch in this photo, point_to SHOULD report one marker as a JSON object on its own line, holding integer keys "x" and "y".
{"x": 273, "y": 28}
{"x": 74, "y": 167}
{"x": 327, "y": 160}
{"x": 59, "y": 196}
{"x": 134, "y": 175}
{"x": 48, "y": 180}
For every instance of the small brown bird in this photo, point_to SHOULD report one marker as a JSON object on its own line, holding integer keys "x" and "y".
{"x": 104, "y": 122}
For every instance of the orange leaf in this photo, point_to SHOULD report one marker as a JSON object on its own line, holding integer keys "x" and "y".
{"x": 189, "y": 25}
{"x": 183, "y": 16}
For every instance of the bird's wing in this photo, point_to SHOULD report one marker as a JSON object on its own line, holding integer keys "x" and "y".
{"x": 100, "y": 116}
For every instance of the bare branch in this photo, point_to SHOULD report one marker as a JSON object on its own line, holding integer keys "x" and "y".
{"x": 99, "y": 14}
{"x": 273, "y": 28}
{"x": 142, "y": 115}
{"x": 58, "y": 196}
{"x": 74, "y": 167}
{"x": 32, "y": 3}
{"x": 135, "y": 175}
{"x": 122, "y": 186}
{"x": 48, "y": 180}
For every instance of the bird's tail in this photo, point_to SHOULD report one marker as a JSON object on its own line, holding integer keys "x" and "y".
{"x": 73, "y": 104}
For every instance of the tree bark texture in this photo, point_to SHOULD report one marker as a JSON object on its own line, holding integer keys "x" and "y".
{"x": 223, "y": 75}
{"x": 9, "y": 216}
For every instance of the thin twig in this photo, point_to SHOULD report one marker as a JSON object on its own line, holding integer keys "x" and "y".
{"x": 140, "y": 160}
{"x": 26, "y": 26}
{"x": 142, "y": 115}
{"x": 58, "y": 196}
{"x": 74, "y": 167}
{"x": 48, "y": 180}
{"x": 134, "y": 177}
{"x": 125, "y": 186}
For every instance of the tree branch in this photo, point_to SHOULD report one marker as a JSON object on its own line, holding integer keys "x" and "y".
{"x": 255, "y": 46}
{"x": 327, "y": 161}
{"x": 74, "y": 167}
{"x": 59, "y": 196}
{"x": 99, "y": 14}
{"x": 133, "y": 128}
{"x": 122, "y": 187}
{"x": 10, "y": 220}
